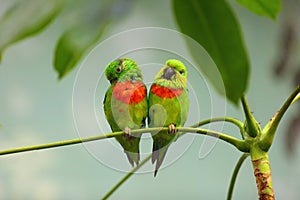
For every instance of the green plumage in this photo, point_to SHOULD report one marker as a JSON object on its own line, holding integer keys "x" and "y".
{"x": 165, "y": 109}
{"x": 125, "y": 104}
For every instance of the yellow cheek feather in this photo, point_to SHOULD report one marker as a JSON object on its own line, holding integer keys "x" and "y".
{"x": 124, "y": 66}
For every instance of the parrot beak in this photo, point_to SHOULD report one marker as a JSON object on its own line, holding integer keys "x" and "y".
{"x": 112, "y": 80}
{"x": 168, "y": 73}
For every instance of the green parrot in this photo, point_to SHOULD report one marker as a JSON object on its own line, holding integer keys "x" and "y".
{"x": 125, "y": 104}
{"x": 168, "y": 107}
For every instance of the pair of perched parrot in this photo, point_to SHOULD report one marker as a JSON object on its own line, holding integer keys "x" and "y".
{"x": 126, "y": 105}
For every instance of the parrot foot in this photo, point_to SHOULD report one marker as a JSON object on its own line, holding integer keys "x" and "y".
{"x": 172, "y": 129}
{"x": 127, "y": 132}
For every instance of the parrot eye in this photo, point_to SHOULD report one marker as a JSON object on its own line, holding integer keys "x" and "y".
{"x": 119, "y": 69}
{"x": 181, "y": 72}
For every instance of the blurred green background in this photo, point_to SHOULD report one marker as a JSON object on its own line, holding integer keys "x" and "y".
{"x": 37, "y": 108}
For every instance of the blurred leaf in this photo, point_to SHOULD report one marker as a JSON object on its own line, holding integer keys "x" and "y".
{"x": 286, "y": 48}
{"x": 214, "y": 26}
{"x": 86, "y": 32}
{"x": 26, "y": 18}
{"x": 73, "y": 44}
{"x": 269, "y": 8}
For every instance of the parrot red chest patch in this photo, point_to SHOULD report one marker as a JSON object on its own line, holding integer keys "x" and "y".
{"x": 129, "y": 92}
{"x": 165, "y": 92}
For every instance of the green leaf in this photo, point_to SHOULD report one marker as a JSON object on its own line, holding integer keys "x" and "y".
{"x": 87, "y": 31}
{"x": 269, "y": 8}
{"x": 73, "y": 44}
{"x": 214, "y": 26}
{"x": 25, "y": 19}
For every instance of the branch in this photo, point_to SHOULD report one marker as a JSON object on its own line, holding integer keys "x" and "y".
{"x": 58, "y": 144}
{"x": 239, "y": 144}
{"x": 126, "y": 177}
{"x": 297, "y": 98}
{"x": 234, "y": 121}
{"x": 234, "y": 175}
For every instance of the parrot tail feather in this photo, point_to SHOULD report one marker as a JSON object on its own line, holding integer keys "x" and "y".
{"x": 158, "y": 155}
{"x": 154, "y": 156}
{"x": 133, "y": 158}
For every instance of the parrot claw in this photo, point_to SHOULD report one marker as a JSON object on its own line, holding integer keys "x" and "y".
{"x": 172, "y": 129}
{"x": 127, "y": 131}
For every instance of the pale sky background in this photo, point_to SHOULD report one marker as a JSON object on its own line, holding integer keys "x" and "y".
{"x": 36, "y": 108}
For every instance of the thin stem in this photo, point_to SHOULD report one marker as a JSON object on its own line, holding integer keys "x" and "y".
{"x": 126, "y": 177}
{"x": 241, "y": 145}
{"x": 234, "y": 121}
{"x": 294, "y": 101}
{"x": 234, "y": 175}
{"x": 58, "y": 144}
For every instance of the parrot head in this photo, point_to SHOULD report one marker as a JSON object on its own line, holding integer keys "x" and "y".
{"x": 123, "y": 69}
{"x": 172, "y": 75}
